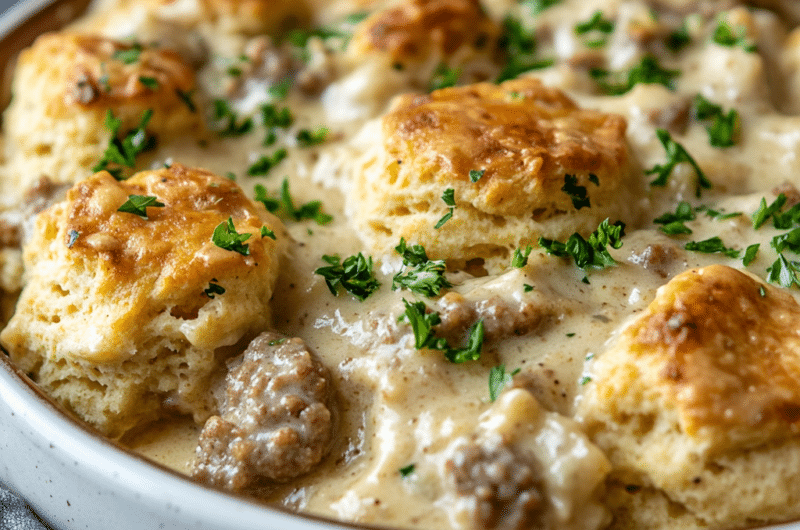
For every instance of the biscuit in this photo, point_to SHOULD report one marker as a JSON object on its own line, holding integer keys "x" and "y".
{"x": 121, "y": 318}
{"x": 64, "y": 85}
{"x": 702, "y": 404}
{"x": 520, "y": 139}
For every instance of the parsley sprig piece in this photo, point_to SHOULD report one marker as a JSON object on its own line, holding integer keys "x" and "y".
{"x": 444, "y": 77}
{"x": 354, "y": 275}
{"x": 226, "y": 237}
{"x": 712, "y": 245}
{"x": 213, "y": 289}
{"x": 265, "y": 163}
{"x": 422, "y": 324}
{"x": 425, "y": 276}
{"x": 578, "y": 194}
{"x": 476, "y": 174}
{"x": 764, "y": 211}
{"x": 733, "y": 36}
{"x": 673, "y": 223}
{"x": 647, "y": 71}
{"x": 520, "y": 257}
{"x": 722, "y": 127}
{"x": 231, "y": 125}
{"x": 676, "y": 154}
{"x": 122, "y": 152}
{"x": 273, "y": 118}
{"x": 138, "y": 204}
{"x": 592, "y": 253}
{"x": 498, "y": 380}
{"x": 520, "y": 45}
{"x": 285, "y": 205}
{"x": 309, "y": 138}
{"x": 537, "y": 6}
{"x": 128, "y": 55}
{"x": 784, "y": 272}
{"x": 595, "y": 30}
{"x": 449, "y": 199}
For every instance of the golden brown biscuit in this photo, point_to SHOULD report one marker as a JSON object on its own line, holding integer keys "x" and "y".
{"x": 521, "y": 138}
{"x": 699, "y": 397}
{"x": 414, "y": 29}
{"x": 66, "y": 83}
{"x": 123, "y": 316}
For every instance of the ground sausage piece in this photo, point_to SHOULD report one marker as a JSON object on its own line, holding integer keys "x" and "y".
{"x": 275, "y": 422}
{"x": 501, "y": 317}
{"x": 505, "y": 486}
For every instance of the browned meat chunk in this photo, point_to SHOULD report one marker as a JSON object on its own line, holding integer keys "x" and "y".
{"x": 505, "y": 486}
{"x": 275, "y": 422}
{"x": 501, "y": 317}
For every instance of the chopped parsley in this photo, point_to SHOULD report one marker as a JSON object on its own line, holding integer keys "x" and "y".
{"x": 750, "y": 254}
{"x": 527, "y": 287}
{"x": 764, "y": 212}
{"x": 137, "y": 205}
{"x": 476, "y": 174}
{"x": 784, "y": 272}
{"x": 213, "y": 289}
{"x": 733, "y": 36}
{"x": 280, "y": 90}
{"x": 592, "y": 253}
{"x": 264, "y": 165}
{"x": 676, "y": 154}
{"x": 285, "y": 204}
{"x": 405, "y": 471}
{"x": 444, "y": 77}
{"x": 716, "y": 214}
{"x": 422, "y": 324}
{"x": 266, "y": 232}
{"x": 449, "y": 199}
{"x": 578, "y": 194}
{"x": 186, "y": 97}
{"x": 128, "y": 55}
{"x": 520, "y": 46}
{"x": 520, "y": 257}
{"x": 678, "y": 39}
{"x": 308, "y": 138}
{"x": 425, "y": 277}
{"x": 273, "y": 118}
{"x": 673, "y": 223}
{"x": 226, "y": 237}
{"x": 596, "y": 29}
{"x": 713, "y": 245}
{"x": 647, "y": 71}
{"x": 149, "y": 82}
{"x": 722, "y": 127}
{"x": 536, "y": 7}
{"x": 231, "y": 124}
{"x": 499, "y": 379}
{"x": 790, "y": 240}
{"x": 354, "y": 275}
{"x": 122, "y": 152}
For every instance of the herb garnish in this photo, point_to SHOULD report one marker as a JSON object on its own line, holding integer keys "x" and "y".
{"x": 476, "y": 174}
{"x": 764, "y": 212}
{"x": 449, "y": 199}
{"x": 784, "y": 272}
{"x": 678, "y": 39}
{"x": 231, "y": 125}
{"x": 425, "y": 277}
{"x": 726, "y": 35}
{"x": 213, "y": 289}
{"x": 591, "y": 253}
{"x": 750, "y": 254}
{"x": 598, "y": 29}
{"x": 264, "y": 165}
{"x": 272, "y": 118}
{"x": 537, "y": 6}
{"x": 723, "y": 127}
{"x": 149, "y": 82}
{"x": 354, "y": 274}
{"x": 186, "y": 97}
{"x": 123, "y": 152}
{"x": 520, "y": 46}
{"x": 310, "y": 210}
{"x": 422, "y": 324}
{"x": 226, "y": 237}
{"x": 675, "y": 155}
{"x": 128, "y": 55}
{"x": 444, "y": 77}
{"x": 520, "y": 258}
{"x": 647, "y": 71}
{"x": 578, "y": 194}
{"x": 499, "y": 379}
{"x": 673, "y": 223}
{"x": 406, "y": 470}
{"x": 137, "y": 205}
{"x": 307, "y": 138}
{"x": 712, "y": 246}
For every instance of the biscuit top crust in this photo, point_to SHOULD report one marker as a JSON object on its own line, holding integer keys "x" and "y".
{"x": 415, "y": 28}
{"x": 727, "y": 353}
{"x": 525, "y": 136}
{"x": 174, "y": 244}
{"x": 89, "y": 71}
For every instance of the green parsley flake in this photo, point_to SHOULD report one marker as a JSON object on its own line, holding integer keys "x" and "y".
{"x": 449, "y": 199}
{"x": 422, "y": 324}
{"x": 678, "y": 39}
{"x": 137, "y": 205}
{"x": 584, "y": 380}
{"x": 578, "y": 194}
{"x": 784, "y": 272}
{"x": 676, "y": 154}
{"x": 750, "y": 254}
{"x": 712, "y": 245}
{"x": 354, "y": 275}
{"x": 128, "y": 55}
{"x": 648, "y": 71}
{"x": 722, "y": 127}
{"x": 213, "y": 289}
{"x": 673, "y": 223}
{"x": 266, "y": 232}
{"x": 520, "y": 258}
{"x": 498, "y": 380}
{"x": 520, "y": 46}
{"x": 280, "y": 90}
{"x": 444, "y": 77}
{"x": 149, "y": 82}
{"x": 476, "y": 174}
{"x": 591, "y": 253}
{"x": 527, "y": 287}
{"x": 733, "y": 36}
{"x": 307, "y": 138}
{"x": 425, "y": 277}
{"x": 535, "y": 7}
{"x": 122, "y": 152}
{"x": 764, "y": 212}
{"x": 597, "y": 29}
{"x": 226, "y": 237}
{"x": 186, "y": 97}
{"x": 230, "y": 123}
{"x": 405, "y": 471}
{"x": 273, "y": 118}
{"x": 264, "y": 165}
